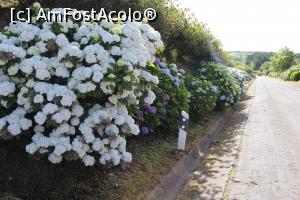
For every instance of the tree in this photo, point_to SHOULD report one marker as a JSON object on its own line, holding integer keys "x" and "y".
{"x": 283, "y": 60}
{"x": 279, "y": 62}
{"x": 258, "y": 58}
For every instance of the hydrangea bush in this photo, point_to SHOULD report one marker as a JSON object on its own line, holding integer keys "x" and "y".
{"x": 150, "y": 116}
{"x": 229, "y": 87}
{"x": 203, "y": 96}
{"x": 70, "y": 86}
{"x": 172, "y": 82}
{"x": 171, "y": 99}
{"x": 242, "y": 76}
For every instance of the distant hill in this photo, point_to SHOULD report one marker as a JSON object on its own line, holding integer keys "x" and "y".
{"x": 298, "y": 56}
{"x": 254, "y": 58}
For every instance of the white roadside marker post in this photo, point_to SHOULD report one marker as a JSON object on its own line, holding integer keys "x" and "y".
{"x": 182, "y": 131}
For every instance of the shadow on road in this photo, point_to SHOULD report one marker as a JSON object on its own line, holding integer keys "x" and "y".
{"x": 209, "y": 180}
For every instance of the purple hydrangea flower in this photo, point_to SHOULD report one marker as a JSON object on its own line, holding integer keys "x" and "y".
{"x": 152, "y": 109}
{"x": 145, "y": 130}
{"x": 166, "y": 72}
{"x": 139, "y": 113}
{"x": 176, "y": 79}
{"x": 167, "y": 97}
{"x": 157, "y": 61}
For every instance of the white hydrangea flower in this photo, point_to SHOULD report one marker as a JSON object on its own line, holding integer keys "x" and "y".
{"x": 75, "y": 121}
{"x": 13, "y": 70}
{"x": 31, "y": 148}
{"x": 107, "y": 87}
{"x": 97, "y": 76}
{"x": 77, "y": 110}
{"x": 54, "y": 158}
{"x": 40, "y": 118}
{"x": 112, "y": 130}
{"x": 62, "y": 115}
{"x": 86, "y": 87}
{"x": 62, "y": 40}
{"x": 49, "y": 108}
{"x": 82, "y": 73}
{"x": 57, "y": 84}
{"x": 25, "y": 124}
{"x": 38, "y": 98}
{"x": 14, "y": 129}
{"x": 46, "y": 34}
{"x": 59, "y": 150}
{"x": 115, "y": 51}
{"x": 149, "y": 99}
{"x": 127, "y": 157}
{"x": 62, "y": 72}
{"x": 7, "y": 88}
{"x": 88, "y": 160}
{"x": 97, "y": 144}
{"x": 3, "y": 122}
{"x": 33, "y": 50}
{"x": 69, "y": 50}
{"x": 115, "y": 157}
{"x": 39, "y": 129}
{"x": 95, "y": 53}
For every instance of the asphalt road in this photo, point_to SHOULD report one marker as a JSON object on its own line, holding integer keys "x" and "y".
{"x": 268, "y": 167}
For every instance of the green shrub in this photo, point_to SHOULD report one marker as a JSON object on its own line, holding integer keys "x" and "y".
{"x": 279, "y": 62}
{"x": 220, "y": 76}
{"x": 274, "y": 74}
{"x": 295, "y": 76}
{"x": 203, "y": 96}
{"x": 259, "y": 73}
{"x": 286, "y": 75}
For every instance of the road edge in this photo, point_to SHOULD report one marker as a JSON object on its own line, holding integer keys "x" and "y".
{"x": 172, "y": 182}
{"x": 232, "y": 174}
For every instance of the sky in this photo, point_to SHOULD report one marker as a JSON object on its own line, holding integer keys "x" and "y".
{"x": 250, "y": 25}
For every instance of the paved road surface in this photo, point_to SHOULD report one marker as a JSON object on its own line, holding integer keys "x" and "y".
{"x": 257, "y": 156}
{"x": 269, "y": 162}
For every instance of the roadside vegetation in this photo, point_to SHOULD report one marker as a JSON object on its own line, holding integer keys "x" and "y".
{"x": 105, "y": 94}
{"x": 250, "y": 61}
{"x": 283, "y": 64}
{"x": 187, "y": 41}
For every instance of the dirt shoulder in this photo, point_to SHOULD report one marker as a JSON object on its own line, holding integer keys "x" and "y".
{"x": 212, "y": 178}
